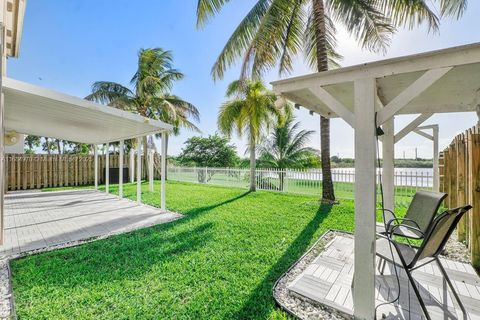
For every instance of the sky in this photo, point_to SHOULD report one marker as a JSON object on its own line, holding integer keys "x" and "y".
{"x": 68, "y": 45}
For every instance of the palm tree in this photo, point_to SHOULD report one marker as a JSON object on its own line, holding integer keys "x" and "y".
{"x": 150, "y": 95}
{"x": 251, "y": 110}
{"x": 275, "y": 31}
{"x": 286, "y": 148}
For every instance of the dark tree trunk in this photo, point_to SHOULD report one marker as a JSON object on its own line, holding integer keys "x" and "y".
{"x": 58, "y": 146}
{"x": 328, "y": 194}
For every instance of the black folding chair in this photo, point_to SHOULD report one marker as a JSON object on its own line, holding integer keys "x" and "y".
{"x": 420, "y": 213}
{"x": 411, "y": 258}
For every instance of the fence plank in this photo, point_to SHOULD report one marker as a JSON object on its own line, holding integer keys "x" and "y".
{"x": 461, "y": 199}
{"x": 475, "y": 200}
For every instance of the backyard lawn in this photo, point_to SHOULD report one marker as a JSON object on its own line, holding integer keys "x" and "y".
{"x": 219, "y": 262}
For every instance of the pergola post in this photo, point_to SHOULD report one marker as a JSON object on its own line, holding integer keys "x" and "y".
{"x": 107, "y": 168}
{"x": 163, "y": 171}
{"x": 436, "y": 172}
{"x": 120, "y": 170}
{"x": 388, "y": 155}
{"x": 365, "y": 201}
{"x": 150, "y": 170}
{"x": 139, "y": 170}
{"x": 132, "y": 165}
{"x": 434, "y": 138}
{"x": 95, "y": 163}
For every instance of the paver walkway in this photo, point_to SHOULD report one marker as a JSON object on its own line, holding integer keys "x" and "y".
{"x": 36, "y": 220}
{"x": 328, "y": 280}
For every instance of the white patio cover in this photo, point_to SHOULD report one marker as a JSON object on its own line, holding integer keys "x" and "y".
{"x": 34, "y": 110}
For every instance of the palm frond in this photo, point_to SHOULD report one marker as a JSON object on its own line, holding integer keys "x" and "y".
{"x": 364, "y": 20}
{"x": 208, "y": 8}
{"x": 106, "y": 92}
{"x": 240, "y": 40}
{"x": 229, "y": 117}
{"x": 410, "y": 13}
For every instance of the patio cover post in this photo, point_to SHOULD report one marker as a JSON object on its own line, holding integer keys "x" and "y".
{"x": 388, "y": 156}
{"x": 163, "y": 171}
{"x": 107, "y": 168}
{"x": 365, "y": 202}
{"x": 150, "y": 170}
{"x": 436, "y": 172}
{"x": 132, "y": 165}
{"x": 95, "y": 161}
{"x": 139, "y": 170}
{"x": 120, "y": 170}
{"x": 3, "y": 62}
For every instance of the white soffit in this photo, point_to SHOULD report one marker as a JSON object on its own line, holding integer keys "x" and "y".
{"x": 34, "y": 110}
{"x": 457, "y": 91}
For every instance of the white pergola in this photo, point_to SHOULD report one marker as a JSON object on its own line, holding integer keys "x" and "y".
{"x": 370, "y": 95}
{"x": 30, "y": 109}
{"x": 433, "y": 136}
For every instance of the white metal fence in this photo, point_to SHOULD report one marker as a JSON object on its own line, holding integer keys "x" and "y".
{"x": 308, "y": 182}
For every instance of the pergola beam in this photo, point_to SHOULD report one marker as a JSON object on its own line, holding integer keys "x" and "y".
{"x": 412, "y": 126}
{"x": 336, "y": 106}
{"x": 410, "y": 93}
{"x": 423, "y": 134}
{"x": 455, "y": 56}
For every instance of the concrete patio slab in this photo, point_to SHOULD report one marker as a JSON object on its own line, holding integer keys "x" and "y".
{"x": 39, "y": 220}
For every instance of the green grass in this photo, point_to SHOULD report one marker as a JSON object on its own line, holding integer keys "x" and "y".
{"x": 343, "y": 190}
{"x": 219, "y": 262}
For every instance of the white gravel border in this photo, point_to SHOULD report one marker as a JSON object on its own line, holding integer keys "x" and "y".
{"x": 306, "y": 309}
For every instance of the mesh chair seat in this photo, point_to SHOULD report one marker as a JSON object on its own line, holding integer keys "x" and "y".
{"x": 408, "y": 252}
{"x": 400, "y": 231}
{"x": 420, "y": 213}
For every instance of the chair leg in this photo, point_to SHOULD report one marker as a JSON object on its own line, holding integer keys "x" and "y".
{"x": 379, "y": 266}
{"x": 383, "y": 266}
{"x": 417, "y": 293}
{"x": 450, "y": 284}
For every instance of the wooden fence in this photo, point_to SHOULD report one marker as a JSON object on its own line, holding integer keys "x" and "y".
{"x": 460, "y": 178}
{"x": 42, "y": 171}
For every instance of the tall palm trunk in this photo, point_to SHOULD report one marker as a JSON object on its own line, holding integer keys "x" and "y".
{"x": 328, "y": 194}
{"x": 253, "y": 164}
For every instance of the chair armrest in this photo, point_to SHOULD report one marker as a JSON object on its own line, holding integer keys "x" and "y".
{"x": 390, "y": 231}
{"x": 383, "y": 215}
{"x": 401, "y": 220}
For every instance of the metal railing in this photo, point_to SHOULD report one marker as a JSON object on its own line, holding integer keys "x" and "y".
{"x": 299, "y": 181}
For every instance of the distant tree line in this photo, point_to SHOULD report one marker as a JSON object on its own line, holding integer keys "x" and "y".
{"x": 34, "y": 144}
{"x": 338, "y": 162}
